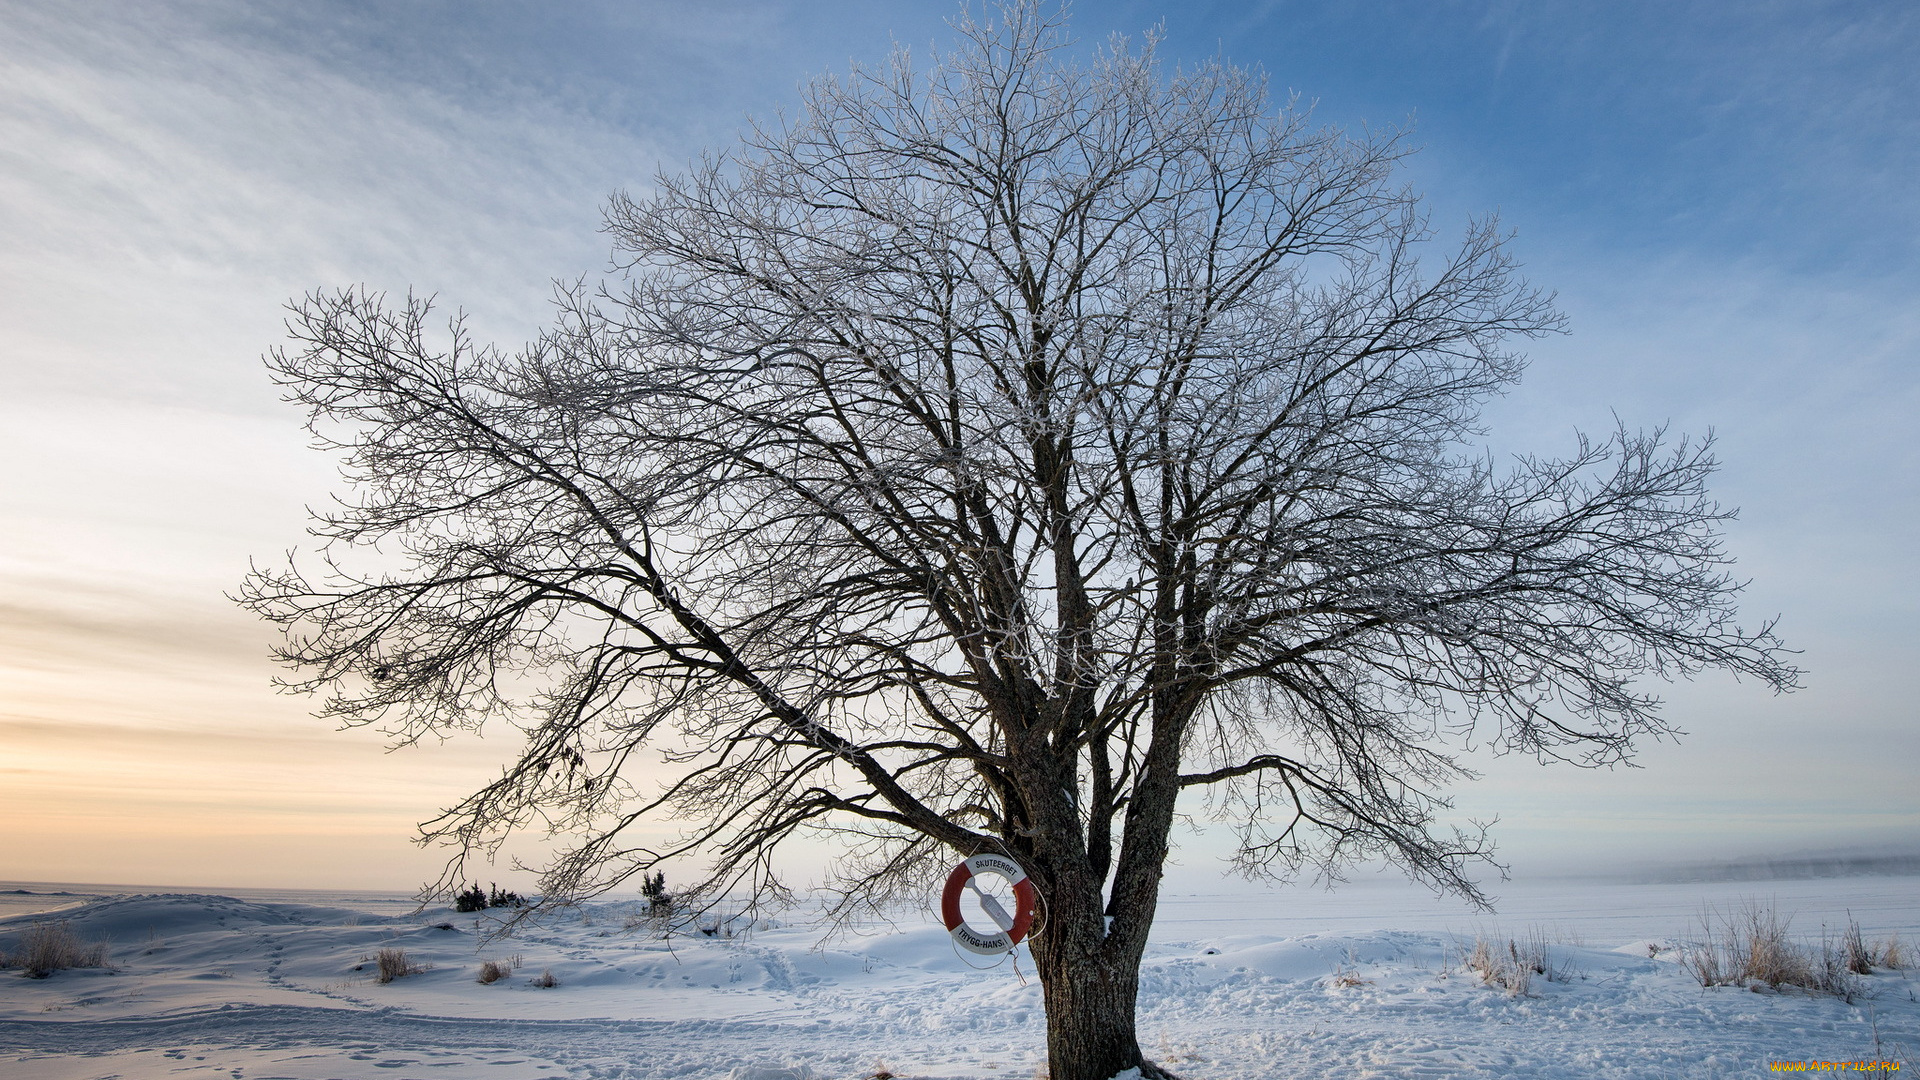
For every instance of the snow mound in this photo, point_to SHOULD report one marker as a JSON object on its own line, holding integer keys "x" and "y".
{"x": 130, "y": 918}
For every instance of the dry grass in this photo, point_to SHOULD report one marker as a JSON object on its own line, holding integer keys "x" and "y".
{"x": 1747, "y": 947}
{"x": 1512, "y": 967}
{"x": 1864, "y": 958}
{"x": 493, "y": 971}
{"x": 1859, "y": 956}
{"x": 53, "y": 946}
{"x": 395, "y": 965}
{"x": 1504, "y": 968}
{"x": 545, "y": 979}
{"x": 1751, "y": 947}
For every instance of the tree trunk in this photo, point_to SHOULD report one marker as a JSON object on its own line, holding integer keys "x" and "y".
{"x": 1092, "y": 986}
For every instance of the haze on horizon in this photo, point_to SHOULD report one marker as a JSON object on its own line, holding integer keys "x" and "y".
{"x": 1723, "y": 199}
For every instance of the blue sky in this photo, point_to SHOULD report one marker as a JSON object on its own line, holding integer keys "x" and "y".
{"x": 1723, "y": 196}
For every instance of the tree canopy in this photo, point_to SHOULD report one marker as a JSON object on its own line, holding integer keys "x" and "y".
{"x": 986, "y": 456}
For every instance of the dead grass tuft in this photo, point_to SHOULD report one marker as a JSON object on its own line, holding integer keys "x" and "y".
{"x": 545, "y": 979}
{"x": 1751, "y": 947}
{"x": 1859, "y": 956}
{"x": 493, "y": 971}
{"x": 1892, "y": 954}
{"x": 1513, "y": 966}
{"x": 48, "y": 947}
{"x": 1746, "y": 947}
{"x": 395, "y": 965}
{"x": 1863, "y": 958}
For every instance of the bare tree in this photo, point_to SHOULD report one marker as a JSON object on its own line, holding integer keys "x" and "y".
{"x": 976, "y": 463}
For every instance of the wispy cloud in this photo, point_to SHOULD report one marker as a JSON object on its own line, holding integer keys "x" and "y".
{"x": 1721, "y": 194}
{"x": 170, "y": 189}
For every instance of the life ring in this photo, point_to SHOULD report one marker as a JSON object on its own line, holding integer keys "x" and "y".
{"x": 1012, "y": 927}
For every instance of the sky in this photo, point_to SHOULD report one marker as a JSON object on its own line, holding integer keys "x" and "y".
{"x": 1722, "y": 196}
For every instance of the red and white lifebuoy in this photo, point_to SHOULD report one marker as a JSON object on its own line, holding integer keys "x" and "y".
{"x": 1012, "y": 926}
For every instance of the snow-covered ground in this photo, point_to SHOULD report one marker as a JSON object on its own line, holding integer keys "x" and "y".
{"x": 1366, "y": 981}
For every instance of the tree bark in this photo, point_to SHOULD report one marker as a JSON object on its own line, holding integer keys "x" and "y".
{"x": 1091, "y": 995}
{"x": 1090, "y": 976}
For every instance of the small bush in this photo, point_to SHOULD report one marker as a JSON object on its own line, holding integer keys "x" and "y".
{"x": 493, "y": 971}
{"x": 1831, "y": 973}
{"x": 1771, "y": 958}
{"x": 654, "y": 888}
{"x": 394, "y": 964}
{"x": 545, "y": 979}
{"x": 53, "y": 946}
{"x": 473, "y": 898}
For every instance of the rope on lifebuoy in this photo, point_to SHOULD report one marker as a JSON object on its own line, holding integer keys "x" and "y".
{"x": 1011, "y": 927}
